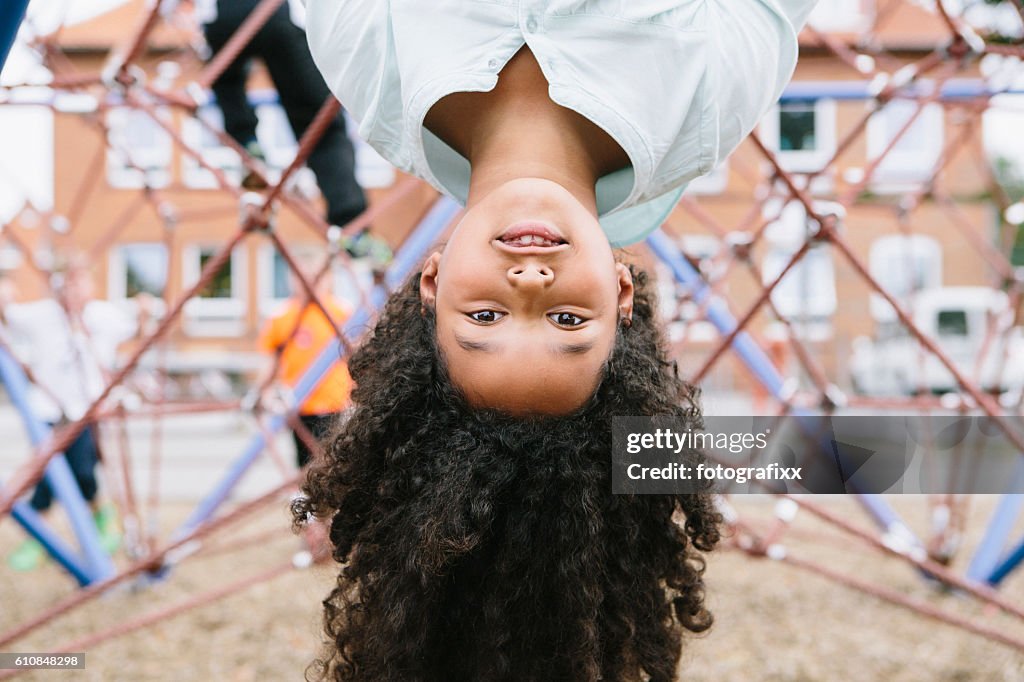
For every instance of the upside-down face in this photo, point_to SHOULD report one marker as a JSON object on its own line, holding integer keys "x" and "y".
{"x": 527, "y": 297}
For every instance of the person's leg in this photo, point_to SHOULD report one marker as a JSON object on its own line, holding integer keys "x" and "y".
{"x": 239, "y": 117}
{"x": 302, "y": 90}
{"x": 42, "y": 497}
{"x": 302, "y": 451}
{"x": 314, "y": 535}
{"x": 29, "y": 553}
{"x": 83, "y": 456}
{"x": 319, "y": 425}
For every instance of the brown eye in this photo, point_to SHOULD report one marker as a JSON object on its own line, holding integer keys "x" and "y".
{"x": 486, "y": 316}
{"x": 566, "y": 319}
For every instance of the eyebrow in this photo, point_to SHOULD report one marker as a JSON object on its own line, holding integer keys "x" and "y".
{"x": 466, "y": 344}
{"x": 575, "y": 348}
{"x": 485, "y": 347}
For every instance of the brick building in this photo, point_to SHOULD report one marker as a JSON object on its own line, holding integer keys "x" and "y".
{"x": 160, "y": 244}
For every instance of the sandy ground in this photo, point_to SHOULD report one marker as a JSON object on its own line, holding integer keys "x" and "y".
{"x": 773, "y": 621}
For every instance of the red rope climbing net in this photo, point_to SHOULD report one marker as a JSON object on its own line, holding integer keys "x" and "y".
{"x": 770, "y": 186}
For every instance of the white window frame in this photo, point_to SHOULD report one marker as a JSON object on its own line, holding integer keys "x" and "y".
{"x": 11, "y": 258}
{"x": 351, "y": 283}
{"x": 700, "y": 246}
{"x": 215, "y": 316}
{"x": 880, "y": 264}
{"x": 904, "y": 169}
{"x": 785, "y": 237}
{"x": 279, "y": 147}
{"x": 373, "y": 171}
{"x": 342, "y": 284}
{"x": 155, "y": 160}
{"x": 269, "y": 305}
{"x": 803, "y": 160}
{"x": 714, "y": 182}
{"x": 27, "y": 164}
{"x": 275, "y": 135}
{"x": 821, "y": 301}
{"x": 117, "y": 272}
{"x": 842, "y": 16}
{"x": 219, "y": 156}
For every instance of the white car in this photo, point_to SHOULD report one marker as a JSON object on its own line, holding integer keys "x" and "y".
{"x": 973, "y": 326}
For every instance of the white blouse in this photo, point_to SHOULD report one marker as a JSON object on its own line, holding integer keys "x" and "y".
{"x": 677, "y": 83}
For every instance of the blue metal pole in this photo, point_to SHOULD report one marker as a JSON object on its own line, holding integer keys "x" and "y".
{"x": 756, "y": 360}
{"x": 11, "y": 14}
{"x": 955, "y": 88}
{"x": 797, "y": 91}
{"x": 408, "y": 257}
{"x": 717, "y": 312}
{"x": 986, "y": 557}
{"x": 1012, "y": 560}
{"x": 59, "y": 476}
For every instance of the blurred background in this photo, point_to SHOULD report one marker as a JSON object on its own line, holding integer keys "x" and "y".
{"x": 861, "y": 253}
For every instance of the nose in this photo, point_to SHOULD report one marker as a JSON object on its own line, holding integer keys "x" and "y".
{"x": 530, "y": 276}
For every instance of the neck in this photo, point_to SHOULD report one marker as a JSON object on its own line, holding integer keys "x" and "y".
{"x": 531, "y": 142}
{"x": 517, "y": 131}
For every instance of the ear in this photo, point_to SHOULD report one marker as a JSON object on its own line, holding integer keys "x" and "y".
{"x": 428, "y": 279}
{"x": 625, "y": 291}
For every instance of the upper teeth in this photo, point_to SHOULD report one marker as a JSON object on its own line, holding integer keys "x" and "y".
{"x": 531, "y": 240}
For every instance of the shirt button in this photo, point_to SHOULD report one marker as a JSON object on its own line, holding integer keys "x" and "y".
{"x": 531, "y": 24}
{"x": 493, "y": 64}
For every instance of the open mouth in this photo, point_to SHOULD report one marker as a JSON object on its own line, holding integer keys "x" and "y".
{"x": 531, "y": 234}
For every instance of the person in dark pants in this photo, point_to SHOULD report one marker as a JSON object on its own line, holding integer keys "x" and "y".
{"x": 82, "y": 456}
{"x": 67, "y": 344}
{"x": 282, "y": 46}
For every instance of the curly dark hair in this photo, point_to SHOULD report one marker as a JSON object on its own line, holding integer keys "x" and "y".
{"x": 480, "y": 546}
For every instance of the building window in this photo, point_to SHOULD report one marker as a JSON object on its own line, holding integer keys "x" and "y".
{"x": 802, "y": 133}
{"x": 952, "y": 323}
{"x": 701, "y": 248}
{"x": 372, "y": 169}
{"x": 675, "y": 299}
{"x": 807, "y": 294}
{"x": 843, "y": 16}
{"x": 137, "y": 269}
{"x": 714, "y": 182}
{"x": 808, "y": 291}
{"x": 202, "y": 139}
{"x": 280, "y": 277}
{"x": 913, "y": 158}
{"x": 275, "y": 136}
{"x": 10, "y": 258}
{"x": 139, "y": 151}
{"x": 274, "y": 281}
{"x": 218, "y": 309}
{"x": 903, "y": 265}
{"x": 26, "y": 165}
{"x": 796, "y": 127}
{"x": 279, "y": 147}
{"x": 220, "y": 286}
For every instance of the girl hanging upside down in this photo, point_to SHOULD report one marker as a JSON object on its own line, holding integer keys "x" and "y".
{"x": 468, "y": 491}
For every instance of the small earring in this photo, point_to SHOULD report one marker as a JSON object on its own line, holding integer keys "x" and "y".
{"x": 627, "y": 322}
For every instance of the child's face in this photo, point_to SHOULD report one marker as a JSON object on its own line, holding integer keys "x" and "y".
{"x": 527, "y": 327}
